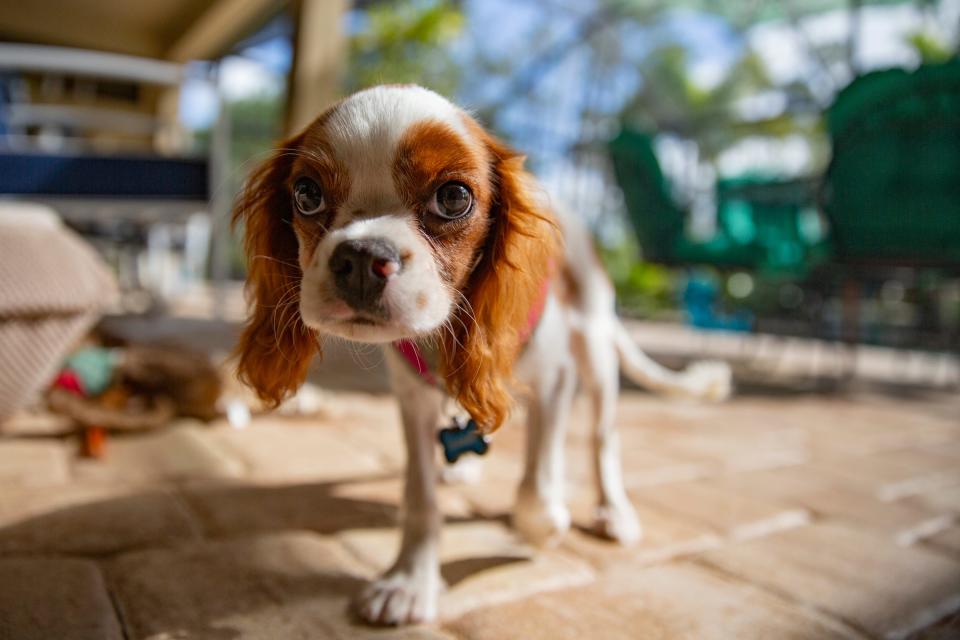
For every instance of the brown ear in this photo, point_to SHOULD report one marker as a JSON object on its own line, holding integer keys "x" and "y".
{"x": 275, "y": 348}
{"x": 507, "y": 283}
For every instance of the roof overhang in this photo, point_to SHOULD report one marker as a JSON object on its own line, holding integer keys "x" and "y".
{"x": 173, "y": 30}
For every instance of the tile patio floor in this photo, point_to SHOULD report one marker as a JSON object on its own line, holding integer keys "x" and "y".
{"x": 788, "y": 515}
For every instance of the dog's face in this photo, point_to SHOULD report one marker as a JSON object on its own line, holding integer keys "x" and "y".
{"x": 391, "y": 202}
{"x": 393, "y": 215}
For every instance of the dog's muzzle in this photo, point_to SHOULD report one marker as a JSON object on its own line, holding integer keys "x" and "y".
{"x": 361, "y": 269}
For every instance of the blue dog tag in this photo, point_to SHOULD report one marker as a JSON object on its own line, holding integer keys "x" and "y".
{"x": 459, "y": 439}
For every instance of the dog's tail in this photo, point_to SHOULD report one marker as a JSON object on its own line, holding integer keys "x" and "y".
{"x": 703, "y": 380}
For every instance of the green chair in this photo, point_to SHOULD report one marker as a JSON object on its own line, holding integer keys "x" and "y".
{"x": 779, "y": 217}
{"x": 657, "y": 219}
{"x": 763, "y": 224}
{"x": 892, "y": 189}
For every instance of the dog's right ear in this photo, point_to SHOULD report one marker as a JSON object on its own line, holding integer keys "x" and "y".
{"x": 276, "y": 347}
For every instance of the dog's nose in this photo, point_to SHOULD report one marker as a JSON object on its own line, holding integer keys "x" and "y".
{"x": 361, "y": 269}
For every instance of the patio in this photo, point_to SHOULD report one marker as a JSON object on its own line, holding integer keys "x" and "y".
{"x": 822, "y": 501}
{"x": 780, "y": 514}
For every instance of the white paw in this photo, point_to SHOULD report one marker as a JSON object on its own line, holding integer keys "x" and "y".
{"x": 399, "y": 598}
{"x": 618, "y": 523}
{"x": 540, "y": 522}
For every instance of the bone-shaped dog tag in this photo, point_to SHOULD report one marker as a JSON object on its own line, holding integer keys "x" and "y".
{"x": 459, "y": 439}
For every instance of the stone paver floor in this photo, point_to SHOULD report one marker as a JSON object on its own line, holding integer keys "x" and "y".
{"x": 771, "y": 516}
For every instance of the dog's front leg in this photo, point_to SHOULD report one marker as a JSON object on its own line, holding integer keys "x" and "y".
{"x": 408, "y": 591}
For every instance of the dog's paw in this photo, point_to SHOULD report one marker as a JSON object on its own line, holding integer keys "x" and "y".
{"x": 399, "y": 598}
{"x": 618, "y": 523}
{"x": 540, "y": 522}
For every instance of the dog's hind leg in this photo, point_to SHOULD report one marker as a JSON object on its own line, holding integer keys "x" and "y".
{"x": 540, "y": 513}
{"x": 409, "y": 590}
{"x": 600, "y": 367}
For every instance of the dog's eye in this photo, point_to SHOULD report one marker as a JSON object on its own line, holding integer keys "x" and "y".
{"x": 308, "y": 197}
{"x": 451, "y": 201}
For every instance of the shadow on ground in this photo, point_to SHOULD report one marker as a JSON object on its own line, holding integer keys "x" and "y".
{"x": 204, "y": 559}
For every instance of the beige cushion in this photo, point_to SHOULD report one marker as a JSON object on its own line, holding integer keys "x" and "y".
{"x": 53, "y": 286}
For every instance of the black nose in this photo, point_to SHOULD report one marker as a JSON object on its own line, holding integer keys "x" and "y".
{"x": 360, "y": 271}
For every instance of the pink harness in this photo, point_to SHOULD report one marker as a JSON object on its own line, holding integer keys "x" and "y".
{"x": 410, "y": 352}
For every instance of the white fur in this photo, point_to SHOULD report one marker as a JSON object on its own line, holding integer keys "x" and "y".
{"x": 708, "y": 380}
{"x": 586, "y": 342}
{"x": 583, "y": 340}
{"x": 364, "y": 132}
{"x": 408, "y": 591}
{"x": 418, "y": 277}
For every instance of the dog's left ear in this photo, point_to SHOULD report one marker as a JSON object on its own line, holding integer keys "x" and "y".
{"x": 276, "y": 348}
{"x": 508, "y": 282}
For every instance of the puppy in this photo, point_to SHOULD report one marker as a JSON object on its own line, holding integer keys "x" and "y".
{"x": 394, "y": 218}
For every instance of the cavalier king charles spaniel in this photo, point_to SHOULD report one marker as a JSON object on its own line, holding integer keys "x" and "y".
{"x": 395, "y": 218}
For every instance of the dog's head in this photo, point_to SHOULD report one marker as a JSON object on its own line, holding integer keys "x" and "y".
{"x": 393, "y": 215}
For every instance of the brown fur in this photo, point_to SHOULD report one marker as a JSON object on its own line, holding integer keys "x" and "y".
{"x": 478, "y": 358}
{"x": 275, "y": 348}
{"x": 430, "y": 154}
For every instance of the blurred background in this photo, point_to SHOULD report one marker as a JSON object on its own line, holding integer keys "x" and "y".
{"x": 773, "y": 184}
{"x": 776, "y": 185}
{"x": 786, "y": 169}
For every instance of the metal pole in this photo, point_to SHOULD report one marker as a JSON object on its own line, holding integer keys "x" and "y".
{"x": 221, "y": 203}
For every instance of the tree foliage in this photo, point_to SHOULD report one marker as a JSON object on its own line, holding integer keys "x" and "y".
{"x": 930, "y": 48}
{"x": 406, "y": 42}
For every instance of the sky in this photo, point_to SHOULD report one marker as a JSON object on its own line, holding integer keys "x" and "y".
{"x": 261, "y": 69}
